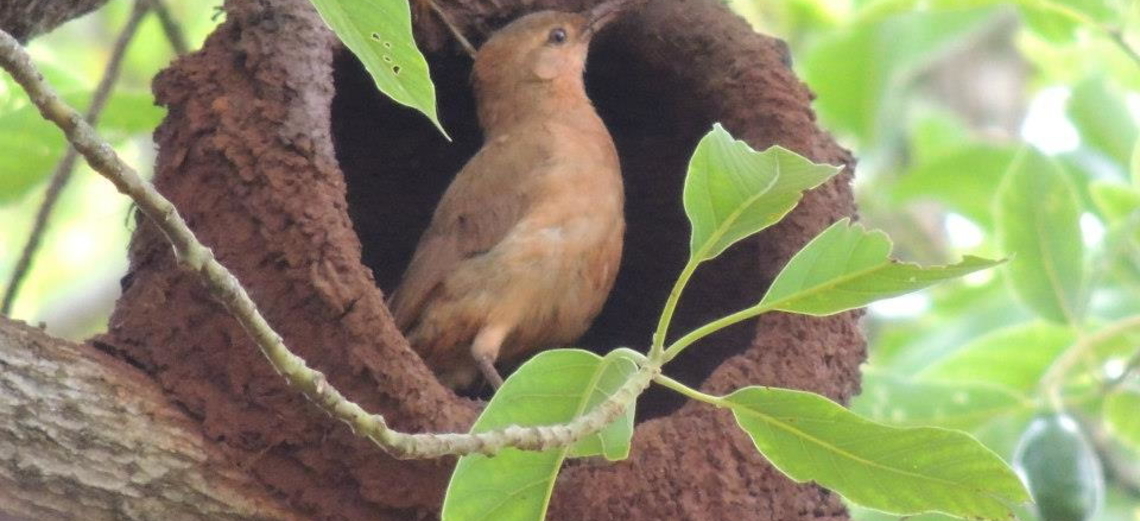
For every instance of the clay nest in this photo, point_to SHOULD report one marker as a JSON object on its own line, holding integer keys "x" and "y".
{"x": 313, "y": 188}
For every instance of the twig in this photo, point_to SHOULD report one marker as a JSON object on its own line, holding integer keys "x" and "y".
{"x": 223, "y": 286}
{"x": 170, "y": 26}
{"x": 470, "y": 49}
{"x": 66, "y": 166}
{"x": 1054, "y": 377}
{"x": 1117, "y": 37}
{"x": 1118, "y": 468}
{"x": 1077, "y": 16}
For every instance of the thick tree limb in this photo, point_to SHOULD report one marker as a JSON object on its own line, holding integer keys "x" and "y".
{"x": 25, "y": 19}
{"x": 85, "y": 436}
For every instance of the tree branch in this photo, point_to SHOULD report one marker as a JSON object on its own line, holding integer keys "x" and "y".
{"x": 84, "y": 436}
{"x": 26, "y": 19}
{"x": 171, "y": 27}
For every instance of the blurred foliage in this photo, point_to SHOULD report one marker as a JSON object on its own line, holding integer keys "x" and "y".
{"x": 983, "y": 127}
{"x": 1000, "y": 129}
{"x": 74, "y": 278}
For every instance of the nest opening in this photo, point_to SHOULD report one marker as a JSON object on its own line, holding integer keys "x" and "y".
{"x": 397, "y": 165}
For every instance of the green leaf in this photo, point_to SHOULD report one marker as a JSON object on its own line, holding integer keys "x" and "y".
{"x": 898, "y": 400}
{"x": 35, "y": 146}
{"x": 31, "y": 151}
{"x": 880, "y": 9}
{"x": 553, "y": 387}
{"x": 899, "y": 470}
{"x": 860, "y": 74}
{"x": 379, "y": 33}
{"x": 1120, "y": 415}
{"x": 1058, "y": 20}
{"x": 964, "y": 180}
{"x": 1014, "y": 357}
{"x": 846, "y": 267}
{"x": 732, "y": 191}
{"x": 1115, "y": 201}
{"x": 1102, "y": 119}
{"x": 1052, "y": 27}
{"x": 1134, "y": 164}
{"x": 1038, "y": 221}
{"x": 958, "y": 313}
{"x": 866, "y": 514}
{"x": 613, "y": 441}
{"x": 129, "y": 113}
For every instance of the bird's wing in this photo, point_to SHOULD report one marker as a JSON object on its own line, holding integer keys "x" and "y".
{"x": 486, "y": 199}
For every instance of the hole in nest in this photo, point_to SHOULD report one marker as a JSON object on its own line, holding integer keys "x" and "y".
{"x": 397, "y": 165}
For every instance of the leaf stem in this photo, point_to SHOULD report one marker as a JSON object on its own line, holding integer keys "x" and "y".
{"x": 1075, "y": 15}
{"x": 656, "y": 351}
{"x": 689, "y": 392}
{"x": 712, "y": 327}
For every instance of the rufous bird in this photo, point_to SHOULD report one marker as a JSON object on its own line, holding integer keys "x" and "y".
{"x": 524, "y": 246}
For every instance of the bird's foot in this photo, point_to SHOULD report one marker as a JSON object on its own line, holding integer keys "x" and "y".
{"x": 487, "y": 367}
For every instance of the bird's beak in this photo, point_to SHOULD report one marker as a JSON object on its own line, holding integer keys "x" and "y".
{"x": 602, "y": 14}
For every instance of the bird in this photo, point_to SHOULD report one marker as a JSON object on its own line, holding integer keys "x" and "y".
{"x": 524, "y": 246}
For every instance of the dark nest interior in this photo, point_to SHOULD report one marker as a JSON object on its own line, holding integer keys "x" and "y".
{"x": 397, "y": 166}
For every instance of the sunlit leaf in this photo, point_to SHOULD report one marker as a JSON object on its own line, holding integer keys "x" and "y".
{"x": 861, "y": 74}
{"x": 128, "y": 113}
{"x": 1037, "y": 217}
{"x": 899, "y": 400}
{"x": 553, "y": 387}
{"x": 1122, "y": 415}
{"x": 34, "y": 146}
{"x": 964, "y": 180}
{"x": 958, "y": 313}
{"x": 847, "y": 266}
{"x": 1114, "y": 200}
{"x": 875, "y": 10}
{"x": 1102, "y": 119}
{"x": 612, "y": 442}
{"x": 1058, "y": 20}
{"x": 894, "y": 469}
{"x": 1134, "y": 164}
{"x": 1014, "y": 357}
{"x": 31, "y": 151}
{"x": 866, "y": 514}
{"x": 1122, "y": 243}
{"x": 733, "y": 191}
{"x": 379, "y": 33}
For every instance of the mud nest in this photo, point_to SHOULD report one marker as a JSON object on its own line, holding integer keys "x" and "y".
{"x": 313, "y": 189}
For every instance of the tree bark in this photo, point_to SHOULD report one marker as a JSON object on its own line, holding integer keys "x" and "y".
{"x": 26, "y": 19}
{"x": 85, "y": 436}
{"x": 313, "y": 188}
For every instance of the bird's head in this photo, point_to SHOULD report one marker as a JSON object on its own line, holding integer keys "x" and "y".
{"x": 539, "y": 55}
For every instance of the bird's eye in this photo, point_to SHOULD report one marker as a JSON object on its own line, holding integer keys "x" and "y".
{"x": 557, "y": 36}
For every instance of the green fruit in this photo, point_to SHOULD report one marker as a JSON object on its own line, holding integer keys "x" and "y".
{"x": 1060, "y": 468}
